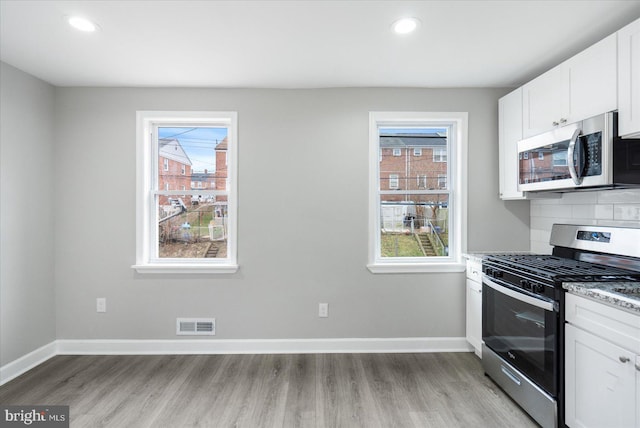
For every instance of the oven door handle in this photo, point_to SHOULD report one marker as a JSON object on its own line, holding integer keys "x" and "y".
{"x": 538, "y": 303}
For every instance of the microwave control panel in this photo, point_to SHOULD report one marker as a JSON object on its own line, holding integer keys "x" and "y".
{"x": 592, "y": 145}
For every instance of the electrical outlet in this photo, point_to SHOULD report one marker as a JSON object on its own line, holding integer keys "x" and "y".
{"x": 323, "y": 310}
{"x": 101, "y": 304}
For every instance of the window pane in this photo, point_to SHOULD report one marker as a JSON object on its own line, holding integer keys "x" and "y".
{"x": 193, "y": 232}
{"x": 191, "y": 156}
{"x": 401, "y": 164}
{"x": 417, "y": 226}
{"x": 192, "y": 226}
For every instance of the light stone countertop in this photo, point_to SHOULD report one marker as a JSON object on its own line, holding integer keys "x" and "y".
{"x": 604, "y": 292}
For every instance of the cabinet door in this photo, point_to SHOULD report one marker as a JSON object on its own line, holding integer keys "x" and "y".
{"x": 509, "y": 133}
{"x": 600, "y": 382}
{"x": 629, "y": 80}
{"x": 637, "y": 391}
{"x": 474, "y": 315}
{"x": 545, "y": 101}
{"x": 593, "y": 80}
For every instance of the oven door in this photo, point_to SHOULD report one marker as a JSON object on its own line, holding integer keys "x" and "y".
{"x": 523, "y": 330}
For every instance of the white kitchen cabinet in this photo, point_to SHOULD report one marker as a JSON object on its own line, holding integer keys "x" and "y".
{"x": 600, "y": 389}
{"x": 593, "y": 80}
{"x": 474, "y": 304}
{"x": 545, "y": 101}
{"x": 602, "y": 381}
{"x": 629, "y": 80}
{"x": 581, "y": 87}
{"x": 509, "y": 133}
{"x": 637, "y": 391}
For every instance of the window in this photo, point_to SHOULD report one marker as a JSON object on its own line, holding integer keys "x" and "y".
{"x": 541, "y": 155}
{"x": 421, "y": 228}
{"x": 186, "y": 231}
{"x": 417, "y": 152}
{"x": 442, "y": 181}
{"x": 440, "y": 154}
{"x": 394, "y": 181}
{"x": 559, "y": 158}
{"x": 397, "y": 152}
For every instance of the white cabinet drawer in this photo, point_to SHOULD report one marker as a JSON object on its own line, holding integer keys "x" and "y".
{"x": 615, "y": 325}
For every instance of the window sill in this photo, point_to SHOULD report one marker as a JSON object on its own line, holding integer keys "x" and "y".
{"x": 185, "y": 268}
{"x": 416, "y": 267}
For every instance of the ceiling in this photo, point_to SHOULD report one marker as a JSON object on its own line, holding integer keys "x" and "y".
{"x": 301, "y": 44}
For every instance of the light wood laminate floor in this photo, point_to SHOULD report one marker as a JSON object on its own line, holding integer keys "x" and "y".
{"x": 283, "y": 390}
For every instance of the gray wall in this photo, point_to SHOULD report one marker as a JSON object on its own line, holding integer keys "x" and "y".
{"x": 27, "y": 299}
{"x": 302, "y": 218}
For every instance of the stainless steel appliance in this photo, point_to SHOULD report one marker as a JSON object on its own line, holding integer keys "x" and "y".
{"x": 523, "y": 310}
{"x": 586, "y": 154}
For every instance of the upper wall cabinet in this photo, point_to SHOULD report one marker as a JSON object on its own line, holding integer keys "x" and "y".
{"x": 629, "y": 80}
{"x": 581, "y": 87}
{"x": 545, "y": 101}
{"x": 509, "y": 133}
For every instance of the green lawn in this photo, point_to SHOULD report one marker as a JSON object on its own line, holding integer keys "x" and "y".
{"x": 399, "y": 245}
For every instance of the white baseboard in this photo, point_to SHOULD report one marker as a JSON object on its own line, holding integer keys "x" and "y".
{"x": 25, "y": 363}
{"x": 231, "y": 346}
{"x": 264, "y": 346}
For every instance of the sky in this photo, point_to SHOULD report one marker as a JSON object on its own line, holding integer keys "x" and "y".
{"x": 441, "y": 131}
{"x": 199, "y": 144}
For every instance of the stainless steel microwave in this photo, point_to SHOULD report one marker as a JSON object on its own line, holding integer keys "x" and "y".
{"x": 586, "y": 154}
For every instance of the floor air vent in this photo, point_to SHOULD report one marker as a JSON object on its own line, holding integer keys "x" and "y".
{"x": 196, "y": 326}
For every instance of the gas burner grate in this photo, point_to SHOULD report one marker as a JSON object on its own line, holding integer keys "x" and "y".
{"x": 549, "y": 266}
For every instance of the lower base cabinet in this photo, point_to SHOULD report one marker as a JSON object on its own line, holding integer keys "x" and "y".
{"x": 474, "y": 303}
{"x": 474, "y": 315}
{"x": 602, "y": 365}
{"x": 601, "y": 382}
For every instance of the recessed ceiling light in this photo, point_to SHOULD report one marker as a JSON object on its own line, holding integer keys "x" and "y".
{"x": 405, "y": 25}
{"x": 82, "y": 24}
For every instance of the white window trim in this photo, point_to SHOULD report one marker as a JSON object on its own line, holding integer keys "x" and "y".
{"x": 417, "y": 152}
{"x": 398, "y": 151}
{"x": 457, "y": 166}
{"x": 145, "y": 121}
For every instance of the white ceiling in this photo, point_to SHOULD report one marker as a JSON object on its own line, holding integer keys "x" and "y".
{"x": 302, "y": 44}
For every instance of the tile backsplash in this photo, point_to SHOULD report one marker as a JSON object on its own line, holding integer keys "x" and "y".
{"x": 605, "y": 207}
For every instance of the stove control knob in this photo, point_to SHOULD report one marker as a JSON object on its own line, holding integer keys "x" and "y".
{"x": 538, "y": 288}
{"x": 525, "y": 284}
{"x": 488, "y": 271}
{"x": 497, "y": 274}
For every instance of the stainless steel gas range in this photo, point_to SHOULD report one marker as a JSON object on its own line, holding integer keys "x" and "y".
{"x": 523, "y": 310}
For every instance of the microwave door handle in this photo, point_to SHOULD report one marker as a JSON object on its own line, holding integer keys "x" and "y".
{"x": 570, "y": 163}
